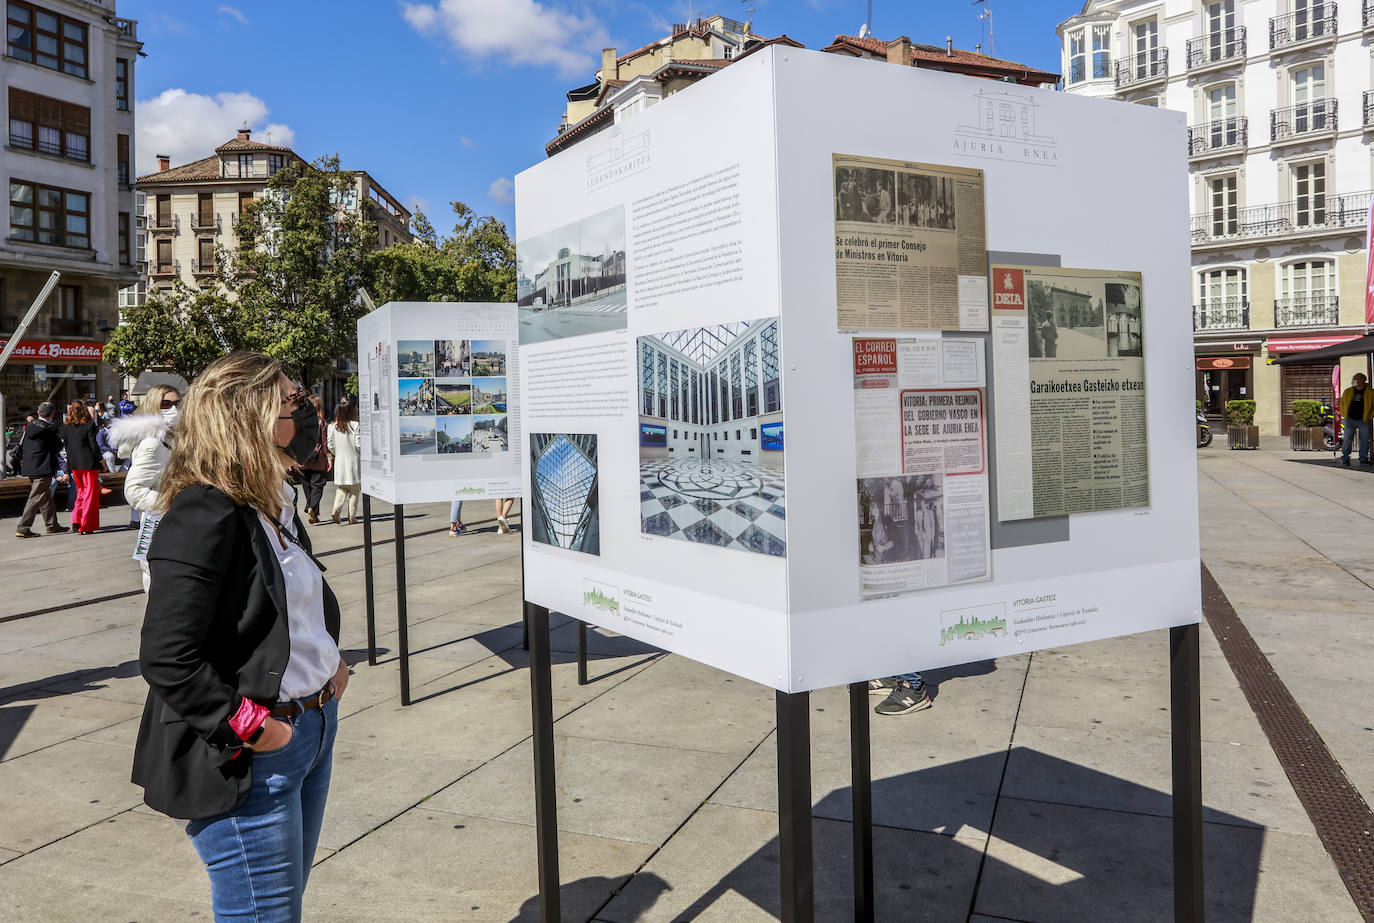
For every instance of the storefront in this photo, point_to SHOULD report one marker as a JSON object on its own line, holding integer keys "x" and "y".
{"x": 1305, "y": 382}
{"x": 1225, "y": 372}
{"x": 49, "y": 370}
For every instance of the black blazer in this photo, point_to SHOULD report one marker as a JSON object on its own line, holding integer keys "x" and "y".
{"x": 41, "y": 445}
{"x": 83, "y": 452}
{"x": 215, "y": 631}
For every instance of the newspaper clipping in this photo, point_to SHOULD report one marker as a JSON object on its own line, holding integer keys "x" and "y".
{"x": 910, "y": 248}
{"x": 1069, "y": 369}
{"x": 922, "y": 463}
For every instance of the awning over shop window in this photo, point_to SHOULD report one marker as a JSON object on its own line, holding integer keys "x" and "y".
{"x": 1314, "y": 350}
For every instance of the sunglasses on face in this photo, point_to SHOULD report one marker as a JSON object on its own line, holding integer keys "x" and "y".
{"x": 168, "y": 405}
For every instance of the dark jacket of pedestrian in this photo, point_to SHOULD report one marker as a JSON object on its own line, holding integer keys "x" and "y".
{"x": 83, "y": 451}
{"x": 217, "y": 588}
{"x": 42, "y": 442}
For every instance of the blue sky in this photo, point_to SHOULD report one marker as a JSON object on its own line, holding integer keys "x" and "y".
{"x": 449, "y": 99}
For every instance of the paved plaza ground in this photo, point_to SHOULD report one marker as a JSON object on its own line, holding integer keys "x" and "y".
{"x": 1036, "y": 789}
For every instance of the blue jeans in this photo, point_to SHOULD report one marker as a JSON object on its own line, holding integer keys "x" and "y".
{"x": 1348, "y": 430}
{"x": 259, "y": 854}
{"x": 914, "y": 679}
{"x": 455, "y": 511}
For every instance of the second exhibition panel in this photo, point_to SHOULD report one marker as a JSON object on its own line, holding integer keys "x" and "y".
{"x": 983, "y": 451}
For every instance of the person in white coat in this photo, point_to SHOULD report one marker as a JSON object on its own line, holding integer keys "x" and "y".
{"x": 345, "y": 446}
{"x": 143, "y": 438}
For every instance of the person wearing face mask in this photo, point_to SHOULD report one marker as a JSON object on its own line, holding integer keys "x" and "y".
{"x": 240, "y": 643}
{"x": 145, "y": 438}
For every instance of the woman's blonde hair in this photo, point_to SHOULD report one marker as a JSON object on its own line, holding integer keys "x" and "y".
{"x": 225, "y": 434}
{"x": 153, "y": 398}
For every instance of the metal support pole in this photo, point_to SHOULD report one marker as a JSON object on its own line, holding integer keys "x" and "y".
{"x": 402, "y": 628}
{"x": 545, "y": 800}
{"x": 369, "y": 589}
{"x": 581, "y": 653}
{"x": 861, "y": 788}
{"x": 795, "y": 871}
{"x": 1185, "y": 701}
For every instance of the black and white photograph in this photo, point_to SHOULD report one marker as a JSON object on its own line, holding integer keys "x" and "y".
{"x": 1123, "y": 320}
{"x": 571, "y": 281}
{"x": 452, "y": 359}
{"x": 865, "y": 194}
{"x": 415, "y": 359}
{"x": 925, "y": 201}
{"x": 564, "y": 503}
{"x": 1066, "y": 319}
{"x": 901, "y": 519}
{"x": 416, "y": 397}
{"x": 417, "y": 436}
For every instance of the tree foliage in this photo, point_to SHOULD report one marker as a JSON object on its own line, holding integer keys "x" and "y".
{"x": 474, "y": 262}
{"x": 182, "y": 329}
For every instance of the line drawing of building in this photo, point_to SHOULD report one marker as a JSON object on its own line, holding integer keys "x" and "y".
{"x": 1005, "y": 116}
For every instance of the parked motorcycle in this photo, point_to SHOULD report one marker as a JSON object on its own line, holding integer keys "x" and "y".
{"x": 1204, "y": 431}
{"x": 1328, "y": 428}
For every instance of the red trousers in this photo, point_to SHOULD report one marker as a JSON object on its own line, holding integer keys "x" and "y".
{"x": 86, "y": 510}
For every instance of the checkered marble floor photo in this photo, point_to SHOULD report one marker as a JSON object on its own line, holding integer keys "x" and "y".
{"x": 726, "y": 503}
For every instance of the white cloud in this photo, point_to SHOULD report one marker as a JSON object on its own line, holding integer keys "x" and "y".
{"x": 516, "y": 31}
{"x": 501, "y": 191}
{"x": 465, "y": 141}
{"x": 188, "y": 126}
{"x": 235, "y": 14}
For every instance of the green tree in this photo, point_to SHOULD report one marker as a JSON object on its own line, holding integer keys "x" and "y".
{"x": 183, "y": 329}
{"x": 304, "y": 253}
{"x": 474, "y": 262}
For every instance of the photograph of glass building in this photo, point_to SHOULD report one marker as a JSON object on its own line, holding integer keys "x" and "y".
{"x": 563, "y": 495}
{"x": 715, "y": 478}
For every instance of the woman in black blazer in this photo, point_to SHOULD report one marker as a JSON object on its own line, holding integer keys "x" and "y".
{"x": 83, "y": 466}
{"x": 240, "y": 643}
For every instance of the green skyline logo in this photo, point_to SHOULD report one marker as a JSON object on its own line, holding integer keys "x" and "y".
{"x": 599, "y": 600}
{"x": 972, "y": 628}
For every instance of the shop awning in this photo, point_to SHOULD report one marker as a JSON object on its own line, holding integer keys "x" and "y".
{"x": 1319, "y": 350}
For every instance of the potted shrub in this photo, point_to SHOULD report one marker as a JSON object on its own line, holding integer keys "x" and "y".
{"x": 1241, "y": 433}
{"x": 1307, "y": 427}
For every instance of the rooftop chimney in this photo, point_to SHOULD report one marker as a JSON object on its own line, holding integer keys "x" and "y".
{"x": 609, "y": 69}
{"x": 244, "y": 133}
{"x": 164, "y": 163}
{"x": 949, "y": 46}
{"x": 899, "y": 50}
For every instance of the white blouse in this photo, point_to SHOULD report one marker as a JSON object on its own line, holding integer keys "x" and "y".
{"x": 314, "y": 655}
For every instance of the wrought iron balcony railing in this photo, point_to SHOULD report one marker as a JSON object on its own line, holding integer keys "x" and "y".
{"x": 165, "y": 223}
{"x": 199, "y": 268}
{"x": 1218, "y": 135}
{"x": 1222, "y": 314}
{"x": 202, "y": 222}
{"x": 1368, "y": 107}
{"x": 69, "y": 327}
{"x": 1367, "y": 15}
{"x": 166, "y": 269}
{"x": 1318, "y": 21}
{"x": 1305, "y": 119}
{"x": 1142, "y": 67}
{"x": 1313, "y": 214}
{"x": 1217, "y": 47}
{"x": 1307, "y": 311}
{"x": 237, "y": 171}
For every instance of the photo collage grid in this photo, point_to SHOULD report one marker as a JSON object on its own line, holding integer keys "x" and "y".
{"x": 452, "y": 397}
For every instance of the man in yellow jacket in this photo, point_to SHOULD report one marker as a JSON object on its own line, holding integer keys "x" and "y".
{"x": 1357, "y": 409}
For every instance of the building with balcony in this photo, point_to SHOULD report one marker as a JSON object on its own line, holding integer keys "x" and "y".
{"x": 68, "y": 97}
{"x": 1280, "y": 110}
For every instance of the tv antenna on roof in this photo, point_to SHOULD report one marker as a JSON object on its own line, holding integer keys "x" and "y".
{"x": 985, "y": 24}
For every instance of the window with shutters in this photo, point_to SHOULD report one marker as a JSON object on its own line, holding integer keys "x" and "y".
{"x": 122, "y": 157}
{"x": 50, "y": 126}
{"x": 48, "y": 215}
{"x": 45, "y": 38}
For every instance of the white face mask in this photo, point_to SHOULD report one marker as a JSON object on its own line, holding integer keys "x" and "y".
{"x": 171, "y": 414}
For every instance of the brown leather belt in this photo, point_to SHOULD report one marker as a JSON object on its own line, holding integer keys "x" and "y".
{"x": 301, "y": 706}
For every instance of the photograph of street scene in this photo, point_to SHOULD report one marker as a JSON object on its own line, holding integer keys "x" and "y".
{"x": 452, "y": 359}
{"x": 925, "y": 201}
{"x": 571, "y": 281}
{"x": 1123, "y": 320}
{"x": 1066, "y": 322}
{"x": 488, "y": 395}
{"x": 901, "y": 518}
{"x": 710, "y": 437}
{"x": 454, "y": 435}
{"x": 416, "y": 397}
{"x": 417, "y": 436}
{"x": 564, "y": 507}
{"x": 415, "y": 359}
{"x": 865, "y": 194}
{"x": 454, "y": 395}
{"x": 489, "y": 434}
{"x": 488, "y": 357}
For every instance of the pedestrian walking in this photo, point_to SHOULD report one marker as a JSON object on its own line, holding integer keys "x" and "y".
{"x": 145, "y": 438}
{"x": 906, "y": 693}
{"x": 315, "y": 471}
{"x": 503, "y": 508}
{"x": 41, "y": 442}
{"x": 455, "y": 519}
{"x": 1357, "y": 409}
{"x": 83, "y": 466}
{"x": 240, "y": 643}
{"x": 344, "y": 444}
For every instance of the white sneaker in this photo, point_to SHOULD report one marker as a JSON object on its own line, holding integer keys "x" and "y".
{"x": 501, "y": 525}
